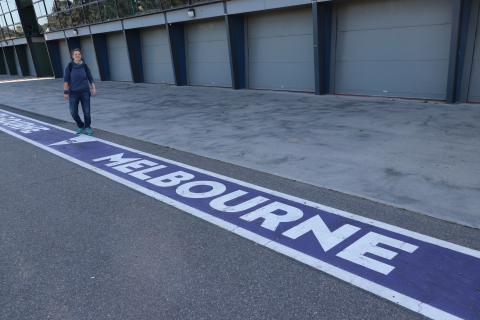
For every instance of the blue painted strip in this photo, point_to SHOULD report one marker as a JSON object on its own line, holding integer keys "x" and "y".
{"x": 435, "y": 278}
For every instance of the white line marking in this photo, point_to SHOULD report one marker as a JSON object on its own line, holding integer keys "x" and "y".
{"x": 75, "y": 140}
{"x": 384, "y": 292}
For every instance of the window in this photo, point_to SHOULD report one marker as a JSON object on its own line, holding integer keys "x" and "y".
{"x": 108, "y": 9}
{"x": 8, "y": 18}
{"x": 19, "y": 31}
{"x": 6, "y": 34}
{"x": 65, "y": 19}
{"x": 56, "y": 15}
{"x": 92, "y": 13}
{"x": 78, "y": 19}
{"x": 3, "y": 27}
{"x": 11, "y": 4}
{"x": 4, "y": 6}
{"x": 50, "y": 6}
{"x": 43, "y": 24}
{"x": 62, "y": 4}
{"x": 148, "y": 5}
{"x": 125, "y": 8}
{"x": 15, "y": 17}
{"x": 177, "y": 3}
{"x": 54, "y": 22}
{"x": 41, "y": 13}
{"x": 39, "y": 9}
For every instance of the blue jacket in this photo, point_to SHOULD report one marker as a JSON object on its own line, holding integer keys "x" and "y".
{"x": 78, "y": 77}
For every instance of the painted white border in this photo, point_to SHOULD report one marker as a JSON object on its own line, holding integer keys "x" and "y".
{"x": 384, "y": 292}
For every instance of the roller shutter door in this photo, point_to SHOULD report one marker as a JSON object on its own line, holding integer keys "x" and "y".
{"x": 88, "y": 53}
{"x": 118, "y": 57}
{"x": 394, "y": 48}
{"x": 64, "y": 53}
{"x": 280, "y": 50}
{"x": 208, "y": 61}
{"x": 157, "y": 61}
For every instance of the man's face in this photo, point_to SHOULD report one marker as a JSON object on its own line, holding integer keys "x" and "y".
{"x": 77, "y": 56}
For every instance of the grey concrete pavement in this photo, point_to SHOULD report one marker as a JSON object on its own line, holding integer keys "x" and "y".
{"x": 419, "y": 156}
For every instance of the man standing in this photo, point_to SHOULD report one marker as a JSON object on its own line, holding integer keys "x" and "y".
{"x": 78, "y": 85}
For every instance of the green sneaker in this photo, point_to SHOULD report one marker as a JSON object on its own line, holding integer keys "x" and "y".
{"x": 79, "y": 130}
{"x": 89, "y": 131}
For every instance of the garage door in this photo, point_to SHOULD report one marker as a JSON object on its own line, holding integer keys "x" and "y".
{"x": 64, "y": 53}
{"x": 88, "y": 53}
{"x": 393, "y": 48}
{"x": 280, "y": 55}
{"x": 118, "y": 57}
{"x": 157, "y": 61}
{"x": 208, "y": 62}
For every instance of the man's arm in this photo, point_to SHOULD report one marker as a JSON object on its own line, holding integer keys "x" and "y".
{"x": 93, "y": 89}
{"x": 66, "y": 86}
{"x": 66, "y": 92}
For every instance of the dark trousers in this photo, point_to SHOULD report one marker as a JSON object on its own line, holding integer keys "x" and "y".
{"x": 84, "y": 99}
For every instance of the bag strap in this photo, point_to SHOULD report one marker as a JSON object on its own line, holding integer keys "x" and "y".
{"x": 70, "y": 66}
